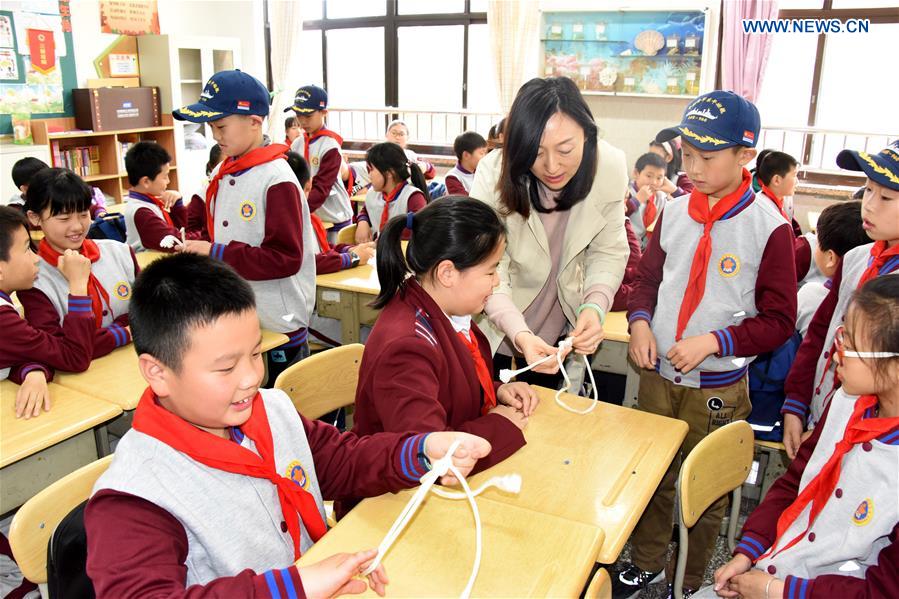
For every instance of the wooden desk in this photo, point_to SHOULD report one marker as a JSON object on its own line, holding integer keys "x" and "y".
{"x": 600, "y": 468}
{"x": 39, "y": 451}
{"x": 612, "y": 355}
{"x": 145, "y": 258}
{"x": 524, "y": 554}
{"x": 359, "y": 198}
{"x": 345, "y": 295}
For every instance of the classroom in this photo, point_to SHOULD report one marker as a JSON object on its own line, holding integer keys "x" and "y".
{"x": 438, "y": 298}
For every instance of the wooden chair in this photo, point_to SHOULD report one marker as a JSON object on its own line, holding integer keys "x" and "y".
{"x": 600, "y": 586}
{"x": 347, "y": 235}
{"x": 34, "y": 523}
{"x": 324, "y": 382}
{"x": 717, "y": 465}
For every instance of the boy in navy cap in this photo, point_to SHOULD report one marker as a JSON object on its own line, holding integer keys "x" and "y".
{"x": 812, "y": 381}
{"x": 712, "y": 292}
{"x": 256, "y": 217}
{"x": 320, "y": 146}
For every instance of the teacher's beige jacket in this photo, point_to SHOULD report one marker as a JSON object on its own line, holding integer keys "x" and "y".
{"x": 594, "y": 250}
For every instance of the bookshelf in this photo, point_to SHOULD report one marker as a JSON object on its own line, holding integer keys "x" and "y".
{"x": 60, "y": 135}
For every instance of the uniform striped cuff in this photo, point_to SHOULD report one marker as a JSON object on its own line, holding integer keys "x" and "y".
{"x": 725, "y": 342}
{"x": 120, "y": 335}
{"x": 412, "y": 463}
{"x": 795, "y": 407}
{"x": 283, "y": 584}
{"x": 798, "y": 588}
{"x": 345, "y": 260}
{"x": 362, "y": 217}
{"x": 217, "y": 251}
{"x": 751, "y": 546}
{"x": 80, "y": 305}
{"x": 296, "y": 338}
{"x": 639, "y": 315}
{"x": 32, "y": 367}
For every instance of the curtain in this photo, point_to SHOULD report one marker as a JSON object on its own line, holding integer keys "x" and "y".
{"x": 513, "y": 27}
{"x": 286, "y": 24}
{"x": 745, "y": 56}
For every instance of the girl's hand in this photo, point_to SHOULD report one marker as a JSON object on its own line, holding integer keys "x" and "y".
{"x": 738, "y": 565}
{"x": 336, "y": 575}
{"x": 588, "y": 332}
{"x": 514, "y": 416}
{"x": 363, "y": 232}
{"x": 752, "y": 584}
{"x": 519, "y": 396}
{"x": 77, "y": 271}
{"x": 642, "y": 346}
{"x": 687, "y": 353}
{"x": 32, "y": 395}
{"x": 534, "y": 348}
{"x": 465, "y": 457}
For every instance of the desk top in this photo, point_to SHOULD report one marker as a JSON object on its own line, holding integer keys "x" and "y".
{"x": 144, "y": 259}
{"x": 616, "y": 327}
{"x": 361, "y": 279}
{"x": 70, "y": 413}
{"x": 600, "y": 468}
{"x": 434, "y": 554}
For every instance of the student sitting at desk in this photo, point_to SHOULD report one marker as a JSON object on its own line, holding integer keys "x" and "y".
{"x": 59, "y": 202}
{"x": 219, "y": 487}
{"x": 426, "y": 365}
{"x": 28, "y": 354}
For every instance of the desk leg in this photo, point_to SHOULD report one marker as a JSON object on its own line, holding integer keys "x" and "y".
{"x": 349, "y": 317}
{"x": 101, "y": 437}
{"x": 631, "y": 386}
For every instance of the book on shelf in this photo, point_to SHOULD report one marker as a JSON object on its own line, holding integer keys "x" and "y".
{"x": 125, "y": 146}
{"x": 82, "y": 160}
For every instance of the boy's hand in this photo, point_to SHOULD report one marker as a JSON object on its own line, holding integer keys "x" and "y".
{"x": 792, "y": 434}
{"x": 519, "y": 396}
{"x": 512, "y": 415}
{"x": 587, "y": 333}
{"x": 534, "y": 348}
{"x": 688, "y": 353}
{"x": 667, "y": 186}
{"x": 32, "y": 395}
{"x": 642, "y": 345}
{"x": 363, "y": 232}
{"x": 76, "y": 269}
{"x": 169, "y": 197}
{"x": 195, "y": 246}
{"x": 738, "y": 565}
{"x": 645, "y": 193}
{"x": 365, "y": 251}
{"x": 336, "y": 575}
{"x": 470, "y": 450}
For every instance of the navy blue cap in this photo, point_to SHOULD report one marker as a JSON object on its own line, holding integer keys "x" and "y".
{"x": 309, "y": 98}
{"x": 227, "y": 93}
{"x": 717, "y": 120}
{"x": 882, "y": 167}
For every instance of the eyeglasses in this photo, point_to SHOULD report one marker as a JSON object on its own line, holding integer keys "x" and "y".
{"x": 845, "y": 353}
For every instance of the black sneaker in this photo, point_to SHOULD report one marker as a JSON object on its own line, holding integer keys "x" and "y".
{"x": 631, "y": 580}
{"x": 687, "y": 592}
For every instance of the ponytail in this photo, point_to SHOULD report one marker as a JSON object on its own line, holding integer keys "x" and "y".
{"x": 418, "y": 180}
{"x": 462, "y": 230}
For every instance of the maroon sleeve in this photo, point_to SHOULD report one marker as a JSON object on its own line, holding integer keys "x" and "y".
{"x": 630, "y": 270}
{"x": 70, "y": 349}
{"x": 196, "y": 219}
{"x": 281, "y": 253}
{"x": 803, "y": 252}
{"x": 137, "y": 549}
{"x": 330, "y": 261}
{"x": 454, "y": 186}
{"x": 684, "y": 184}
{"x": 153, "y": 229}
{"x": 362, "y": 215}
{"x": 410, "y": 402}
{"x": 641, "y": 304}
{"x": 179, "y": 215}
{"x": 324, "y": 179}
{"x": 18, "y": 373}
{"x": 800, "y": 383}
{"x": 430, "y": 172}
{"x": 775, "y": 300}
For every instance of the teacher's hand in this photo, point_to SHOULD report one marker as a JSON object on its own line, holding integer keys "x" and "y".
{"x": 587, "y": 332}
{"x": 534, "y": 348}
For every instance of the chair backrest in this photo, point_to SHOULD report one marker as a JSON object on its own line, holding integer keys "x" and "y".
{"x": 36, "y": 520}
{"x": 717, "y": 465}
{"x": 600, "y": 586}
{"x": 347, "y": 235}
{"x": 324, "y": 382}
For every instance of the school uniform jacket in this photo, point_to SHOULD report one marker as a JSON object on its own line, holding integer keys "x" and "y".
{"x": 47, "y": 304}
{"x": 803, "y": 245}
{"x": 417, "y": 375}
{"x": 26, "y": 348}
{"x": 410, "y": 199}
{"x": 146, "y": 226}
{"x": 811, "y": 381}
{"x": 634, "y": 210}
{"x": 852, "y": 549}
{"x": 329, "y": 198}
{"x": 159, "y": 522}
{"x": 332, "y": 258}
{"x": 749, "y": 302}
{"x": 630, "y": 271}
{"x": 458, "y": 181}
{"x": 262, "y": 230}
{"x": 196, "y": 215}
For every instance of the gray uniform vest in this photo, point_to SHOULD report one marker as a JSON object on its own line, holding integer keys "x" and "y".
{"x": 337, "y": 208}
{"x": 374, "y": 205}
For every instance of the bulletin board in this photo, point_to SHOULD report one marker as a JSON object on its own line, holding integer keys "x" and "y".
{"x": 41, "y": 87}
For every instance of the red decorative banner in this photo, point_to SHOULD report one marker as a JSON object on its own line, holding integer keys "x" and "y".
{"x": 43, "y": 50}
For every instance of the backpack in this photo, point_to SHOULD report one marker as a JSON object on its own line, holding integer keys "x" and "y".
{"x": 67, "y": 559}
{"x": 767, "y": 375}
{"x": 108, "y": 226}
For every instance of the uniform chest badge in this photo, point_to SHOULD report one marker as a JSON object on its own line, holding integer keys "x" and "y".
{"x": 297, "y": 474}
{"x": 247, "y": 210}
{"x": 864, "y": 512}
{"x": 728, "y": 265}
{"x": 123, "y": 290}
{"x": 315, "y": 160}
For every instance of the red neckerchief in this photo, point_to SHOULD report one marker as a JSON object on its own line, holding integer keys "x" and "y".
{"x": 777, "y": 201}
{"x": 388, "y": 198}
{"x": 320, "y": 233}
{"x": 323, "y": 132}
{"x": 880, "y": 253}
{"x": 95, "y": 290}
{"x": 254, "y": 157}
{"x": 210, "y": 450}
{"x": 649, "y": 214}
{"x": 820, "y": 488}
{"x": 156, "y": 201}
{"x": 485, "y": 378}
{"x": 700, "y": 212}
